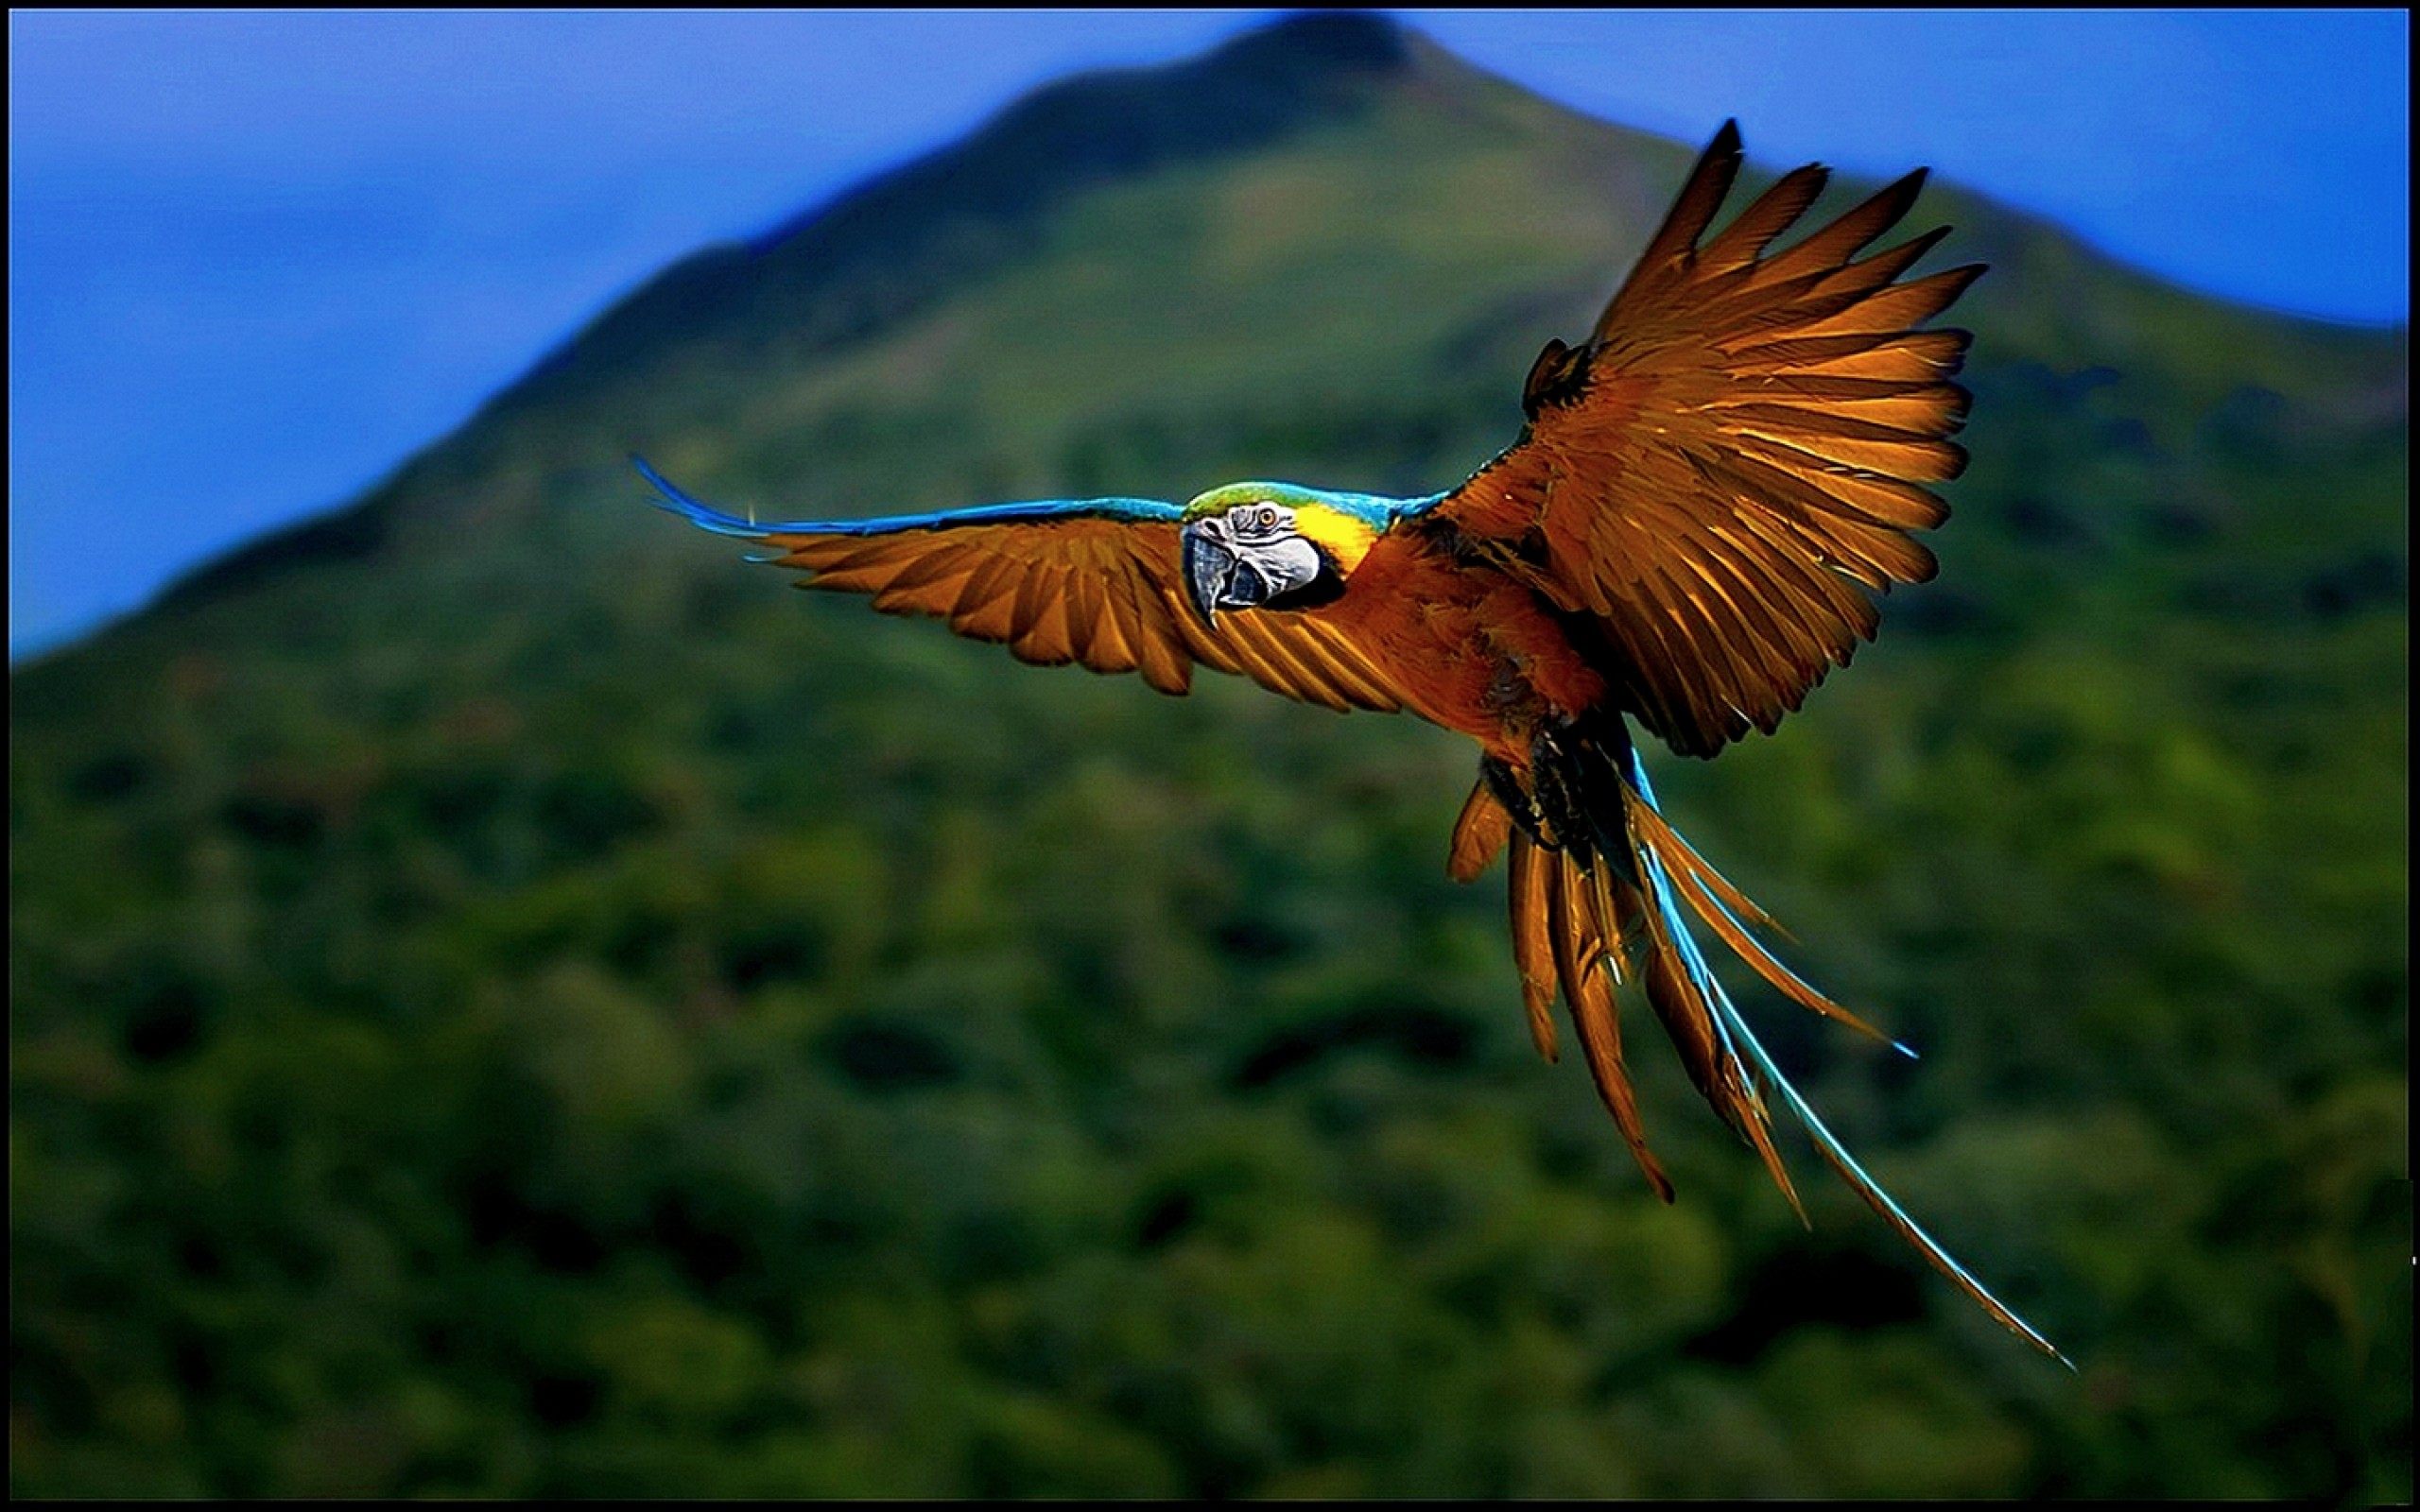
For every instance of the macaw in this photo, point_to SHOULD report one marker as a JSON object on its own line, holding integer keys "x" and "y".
{"x": 1679, "y": 537}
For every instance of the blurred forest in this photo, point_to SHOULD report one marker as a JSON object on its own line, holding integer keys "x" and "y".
{"x": 509, "y": 1001}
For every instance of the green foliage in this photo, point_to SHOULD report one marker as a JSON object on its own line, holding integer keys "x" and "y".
{"x": 507, "y": 1002}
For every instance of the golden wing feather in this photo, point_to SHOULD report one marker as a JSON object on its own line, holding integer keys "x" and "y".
{"x": 1741, "y": 445}
{"x": 1096, "y": 583}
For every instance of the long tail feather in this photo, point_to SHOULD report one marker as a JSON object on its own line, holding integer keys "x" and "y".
{"x": 1655, "y": 844}
{"x": 1595, "y": 871}
{"x": 1719, "y": 904}
{"x": 1580, "y": 956}
{"x": 1679, "y": 997}
{"x": 1532, "y": 948}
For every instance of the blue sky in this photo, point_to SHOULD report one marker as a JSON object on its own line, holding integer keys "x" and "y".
{"x": 257, "y": 258}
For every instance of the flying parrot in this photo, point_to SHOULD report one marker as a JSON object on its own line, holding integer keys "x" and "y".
{"x": 1681, "y": 536}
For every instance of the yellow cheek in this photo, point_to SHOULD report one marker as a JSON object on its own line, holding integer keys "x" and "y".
{"x": 1344, "y": 538}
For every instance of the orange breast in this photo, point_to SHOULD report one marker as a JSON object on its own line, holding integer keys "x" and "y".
{"x": 1467, "y": 648}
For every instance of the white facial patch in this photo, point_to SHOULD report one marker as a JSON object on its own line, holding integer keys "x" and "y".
{"x": 1286, "y": 563}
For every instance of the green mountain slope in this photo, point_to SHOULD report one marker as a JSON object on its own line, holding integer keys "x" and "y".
{"x": 509, "y": 1001}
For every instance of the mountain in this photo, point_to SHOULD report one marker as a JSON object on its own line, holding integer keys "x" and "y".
{"x": 509, "y": 1002}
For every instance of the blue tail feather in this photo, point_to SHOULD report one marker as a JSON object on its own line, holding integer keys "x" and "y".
{"x": 1900, "y": 1045}
{"x": 1733, "y": 1027}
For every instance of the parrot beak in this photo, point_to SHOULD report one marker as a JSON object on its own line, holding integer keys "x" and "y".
{"x": 1209, "y": 566}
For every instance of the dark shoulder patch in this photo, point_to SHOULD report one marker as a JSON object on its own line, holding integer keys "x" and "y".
{"x": 1555, "y": 377}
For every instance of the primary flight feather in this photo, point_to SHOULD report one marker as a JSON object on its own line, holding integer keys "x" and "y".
{"x": 1684, "y": 535}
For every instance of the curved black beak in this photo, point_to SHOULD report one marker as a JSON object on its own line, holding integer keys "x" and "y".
{"x": 1209, "y": 567}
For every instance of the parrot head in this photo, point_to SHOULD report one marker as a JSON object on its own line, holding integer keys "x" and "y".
{"x": 1275, "y": 545}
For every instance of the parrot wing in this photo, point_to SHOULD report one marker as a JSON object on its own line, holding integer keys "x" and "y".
{"x": 1092, "y": 581}
{"x": 1736, "y": 453}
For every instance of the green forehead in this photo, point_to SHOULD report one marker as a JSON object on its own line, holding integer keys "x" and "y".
{"x": 1368, "y": 507}
{"x": 1225, "y": 497}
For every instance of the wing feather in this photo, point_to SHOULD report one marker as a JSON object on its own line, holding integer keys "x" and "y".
{"x": 1740, "y": 452}
{"x": 1095, "y": 582}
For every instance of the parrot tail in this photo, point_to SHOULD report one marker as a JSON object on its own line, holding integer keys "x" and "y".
{"x": 1601, "y": 889}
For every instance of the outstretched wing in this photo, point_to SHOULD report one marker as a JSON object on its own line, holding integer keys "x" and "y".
{"x": 1736, "y": 450}
{"x": 1092, "y": 581}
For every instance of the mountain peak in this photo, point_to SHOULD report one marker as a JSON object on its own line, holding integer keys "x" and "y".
{"x": 1320, "y": 41}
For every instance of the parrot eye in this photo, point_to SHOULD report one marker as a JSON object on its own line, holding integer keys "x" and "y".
{"x": 1258, "y": 520}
